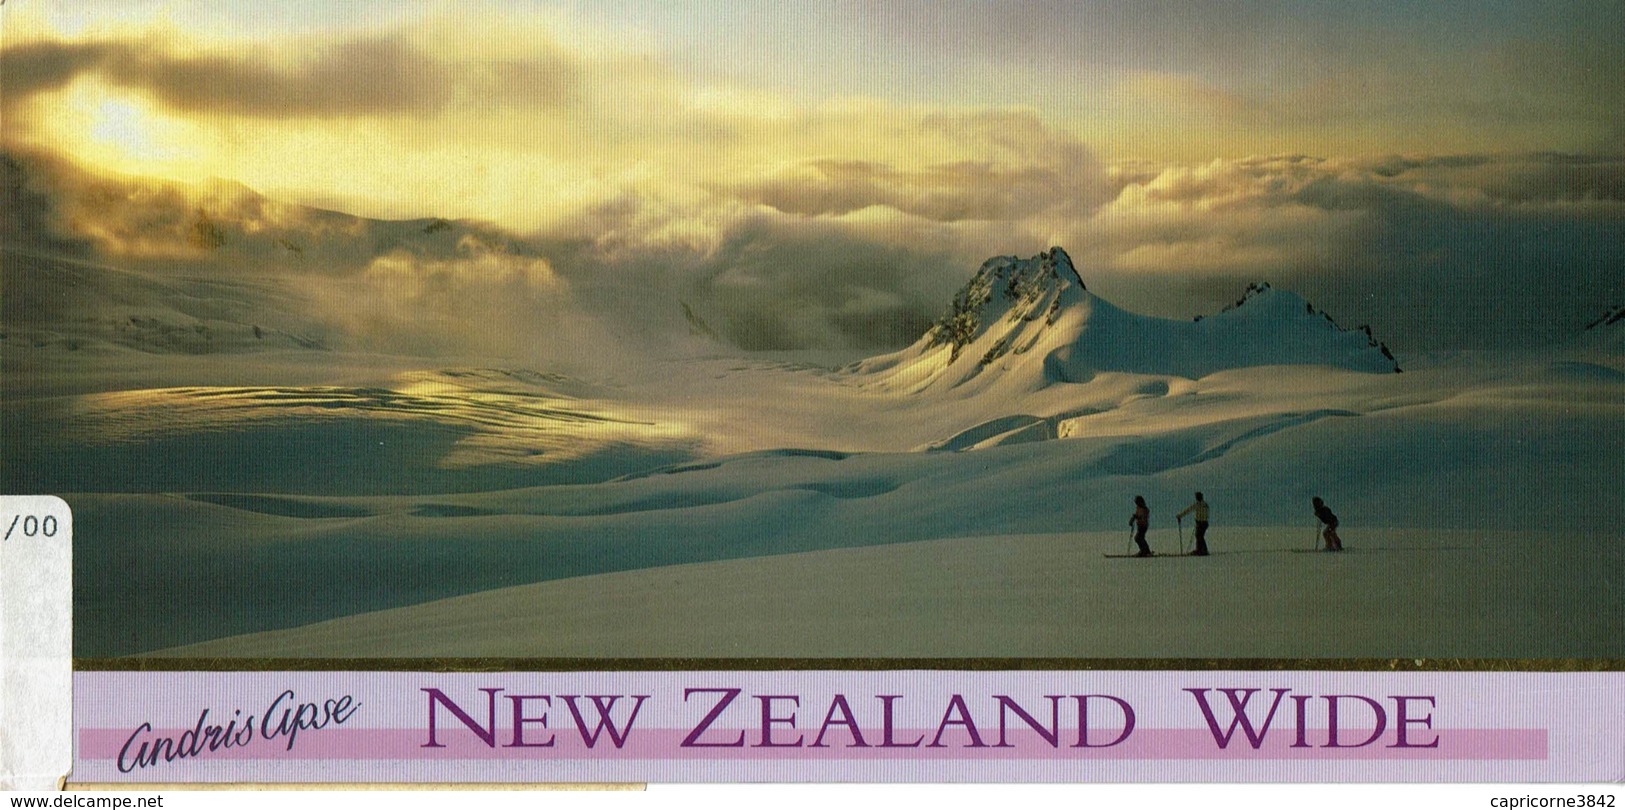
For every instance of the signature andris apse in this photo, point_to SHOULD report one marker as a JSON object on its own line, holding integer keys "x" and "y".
{"x": 282, "y": 719}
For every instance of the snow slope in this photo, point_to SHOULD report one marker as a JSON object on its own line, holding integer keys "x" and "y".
{"x": 1028, "y": 596}
{"x": 1427, "y": 455}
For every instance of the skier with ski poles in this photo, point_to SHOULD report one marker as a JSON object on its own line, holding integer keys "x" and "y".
{"x": 1141, "y": 520}
{"x": 1199, "y": 507}
{"x": 1325, "y": 516}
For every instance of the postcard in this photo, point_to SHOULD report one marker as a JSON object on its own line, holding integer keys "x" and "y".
{"x": 519, "y": 392}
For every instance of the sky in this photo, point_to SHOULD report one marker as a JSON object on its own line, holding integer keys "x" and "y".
{"x": 826, "y": 174}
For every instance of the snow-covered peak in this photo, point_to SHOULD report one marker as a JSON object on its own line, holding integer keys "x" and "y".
{"x": 1007, "y": 290}
{"x": 1260, "y": 300}
{"x": 1255, "y": 290}
{"x": 1026, "y": 324}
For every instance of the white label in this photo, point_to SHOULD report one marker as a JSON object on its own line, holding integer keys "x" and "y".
{"x": 36, "y": 642}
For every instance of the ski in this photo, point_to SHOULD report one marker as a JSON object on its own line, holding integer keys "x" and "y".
{"x": 1187, "y": 554}
{"x": 1159, "y": 555}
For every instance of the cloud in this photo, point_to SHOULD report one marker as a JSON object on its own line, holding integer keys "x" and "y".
{"x": 947, "y": 192}
{"x": 1550, "y": 179}
{"x": 1454, "y": 251}
{"x": 1013, "y": 167}
{"x": 367, "y": 76}
{"x": 1434, "y": 251}
{"x": 762, "y": 279}
{"x": 641, "y": 183}
{"x": 482, "y": 300}
{"x": 36, "y": 67}
{"x": 434, "y": 121}
{"x": 777, "y": 283}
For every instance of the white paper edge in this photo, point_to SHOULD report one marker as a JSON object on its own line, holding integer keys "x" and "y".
{"x": 36, "y": 643}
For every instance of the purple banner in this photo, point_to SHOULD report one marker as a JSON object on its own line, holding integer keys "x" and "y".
{"x": 837, "y": 726}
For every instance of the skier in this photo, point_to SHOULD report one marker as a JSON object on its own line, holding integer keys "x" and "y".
{"x": 1324, "y": 515}
{"x": 1141, "y": 520}
{"x": 1200, "y": 508}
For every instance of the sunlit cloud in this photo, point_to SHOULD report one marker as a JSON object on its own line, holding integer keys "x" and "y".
{"x": 613, "y": 164}
{"x": 1457, "y": 250}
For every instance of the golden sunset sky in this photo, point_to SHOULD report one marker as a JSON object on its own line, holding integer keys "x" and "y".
{"x": 1203, "y": 143}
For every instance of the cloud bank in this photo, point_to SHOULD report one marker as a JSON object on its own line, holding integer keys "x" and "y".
{"x": 622, "y": 184}
{"x": 1457, "y": 251}
{"x": 365, "y": 76}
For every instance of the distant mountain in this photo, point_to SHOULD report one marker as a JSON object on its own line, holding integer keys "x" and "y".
{"x": 1608, "y": 319}
{"x": 1033, "y": 322}
{"x": 62, "y": 303}
{"x": 219, "y": 226}
{"x": 96, "y": 261}
{"x": 1606, "y": 332}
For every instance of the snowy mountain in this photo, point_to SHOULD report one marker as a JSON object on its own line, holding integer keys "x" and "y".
{"x": 60, "y": 303}
{"x": 105, "y": 262}
{"x": 1606, "y": 333}
{"x": 216, "y": 227}
{"x": 1035, "y": 322}
{"x": 1609, "y": 318}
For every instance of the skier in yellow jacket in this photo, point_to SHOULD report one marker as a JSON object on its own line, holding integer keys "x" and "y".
{"x": 1200, "y": 510}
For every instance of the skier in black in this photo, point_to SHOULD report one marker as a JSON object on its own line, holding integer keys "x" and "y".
{"x": 1200, "y": 508}
{"x": 1141, "y": 520}
{"x": 1324, "y": 515}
